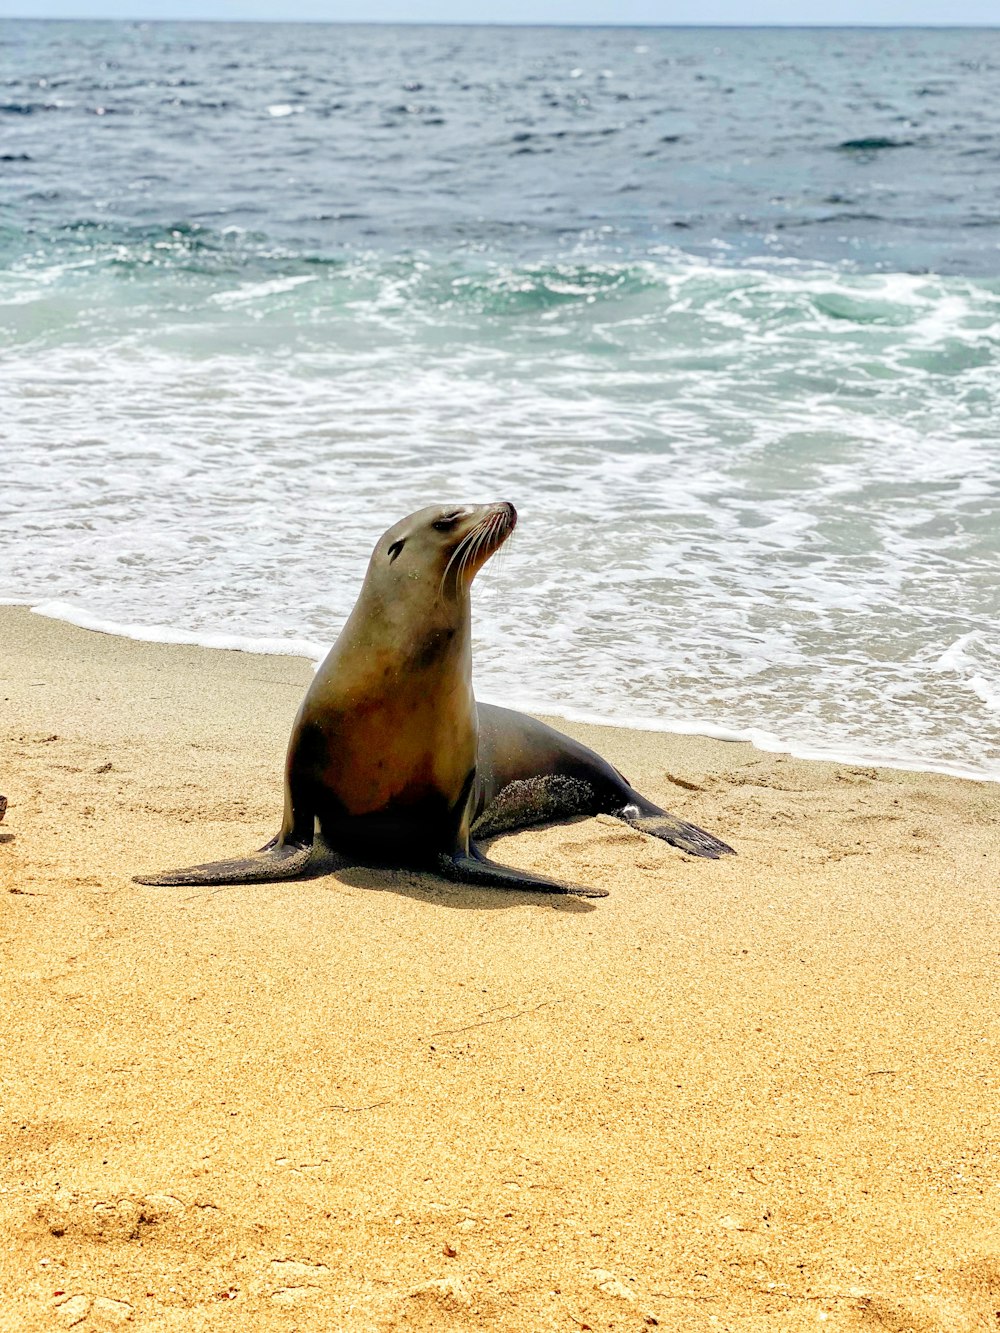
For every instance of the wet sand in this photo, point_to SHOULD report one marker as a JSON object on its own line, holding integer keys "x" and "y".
{"x": 757, "y": 1094}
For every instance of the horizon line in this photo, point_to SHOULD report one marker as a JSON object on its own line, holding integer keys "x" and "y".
{"x": 502, "y": 23}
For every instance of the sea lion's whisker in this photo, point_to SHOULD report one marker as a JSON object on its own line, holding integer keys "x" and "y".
{"x": 494, "y": 533}
{"x": 482, "y": 540}
{"x": 487, "y": 535}
{"x": 498, "y": 569}
{"x": 463, "y": 553}
{"x": 458, "y": 551}
{"x": 476, "y": 546}
{"x": 491, "y": 534}
{"x": 471, "y": 552}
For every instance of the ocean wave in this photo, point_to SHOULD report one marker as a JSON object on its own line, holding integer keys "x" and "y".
{"x": 874, "y": 143}
{"x": 798, "y": 746}
{"x": 71, "y": 614}
{"x": 973, "y": 664}
{"x": 168, "y": 258}
{"x": 154, "y": 252}
{"x": 761, "y": 499}
{"x": 27, "y": 108}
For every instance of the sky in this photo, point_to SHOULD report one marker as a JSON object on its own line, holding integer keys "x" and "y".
{"x": 833, "y": 12}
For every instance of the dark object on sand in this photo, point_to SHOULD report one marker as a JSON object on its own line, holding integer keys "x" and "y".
{"x": 391, "y": 755}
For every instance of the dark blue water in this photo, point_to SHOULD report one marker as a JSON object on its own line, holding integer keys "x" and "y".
{"x": 881, "y": 148}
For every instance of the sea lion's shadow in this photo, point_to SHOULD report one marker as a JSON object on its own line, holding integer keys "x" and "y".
{"x": 427, "y": 888}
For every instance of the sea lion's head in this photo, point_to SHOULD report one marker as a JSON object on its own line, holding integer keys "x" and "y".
{"x": 444, "y": 546}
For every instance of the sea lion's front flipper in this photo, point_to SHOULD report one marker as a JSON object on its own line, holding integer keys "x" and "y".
{"x": 273, "y": 862}
{"x": 466, "y": 868}
{"x": 678, "y": 832}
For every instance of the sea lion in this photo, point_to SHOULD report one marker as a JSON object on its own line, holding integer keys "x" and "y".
{"x": 392, "y": 758}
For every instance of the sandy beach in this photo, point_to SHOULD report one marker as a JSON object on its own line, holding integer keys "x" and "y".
{"x": 758, "y": 1094}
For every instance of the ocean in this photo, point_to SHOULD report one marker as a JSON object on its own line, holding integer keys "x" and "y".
{"x": 717, "y": 310}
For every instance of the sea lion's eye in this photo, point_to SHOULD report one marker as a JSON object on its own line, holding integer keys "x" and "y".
{"x": 444, "y": 524}
{"x": 395, "y": 549}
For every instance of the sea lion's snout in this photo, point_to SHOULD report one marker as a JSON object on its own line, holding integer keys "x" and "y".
{"x": 500, "y": 517}
{"x": 497, "y": 522}
{"x": 483, "y": 529}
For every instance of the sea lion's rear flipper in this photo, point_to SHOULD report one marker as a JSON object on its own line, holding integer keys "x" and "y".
{"x": 661, "y": 824}
{"x": 476, "y": 869}
{"x": 273, "y": 862}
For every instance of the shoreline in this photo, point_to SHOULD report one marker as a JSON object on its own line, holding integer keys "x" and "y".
{"x": 739, "y": 1093}
{"x": 313, "y": 652}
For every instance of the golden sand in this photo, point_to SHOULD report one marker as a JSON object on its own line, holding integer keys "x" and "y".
{"x": 757, "y": 1094}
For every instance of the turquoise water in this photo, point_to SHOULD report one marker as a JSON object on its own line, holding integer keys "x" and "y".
{"x": 719, "y": 312}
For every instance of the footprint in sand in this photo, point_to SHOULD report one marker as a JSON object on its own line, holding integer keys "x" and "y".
{"x": 74, "y": 1308}
{"x": 293, "y": 1292}
{"x": 126, "y": 1219}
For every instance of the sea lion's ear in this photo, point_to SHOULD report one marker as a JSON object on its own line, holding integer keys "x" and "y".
{"x": 395, "y": 549}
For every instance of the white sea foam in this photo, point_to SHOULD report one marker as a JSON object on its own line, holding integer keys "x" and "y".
{"x": 762, "y": 740}
{"x": 969, "y": 666}
{"x": 759, "y": 503}
{"x": 256, "y": 291}
{"x": 84, "y": 619}
{"x": 692, "y": 726}
{"x": 987, "y": 690}
{"x": 954, "y": 657}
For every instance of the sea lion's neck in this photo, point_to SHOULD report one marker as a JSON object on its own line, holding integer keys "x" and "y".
{"x": 413, "y": 634}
